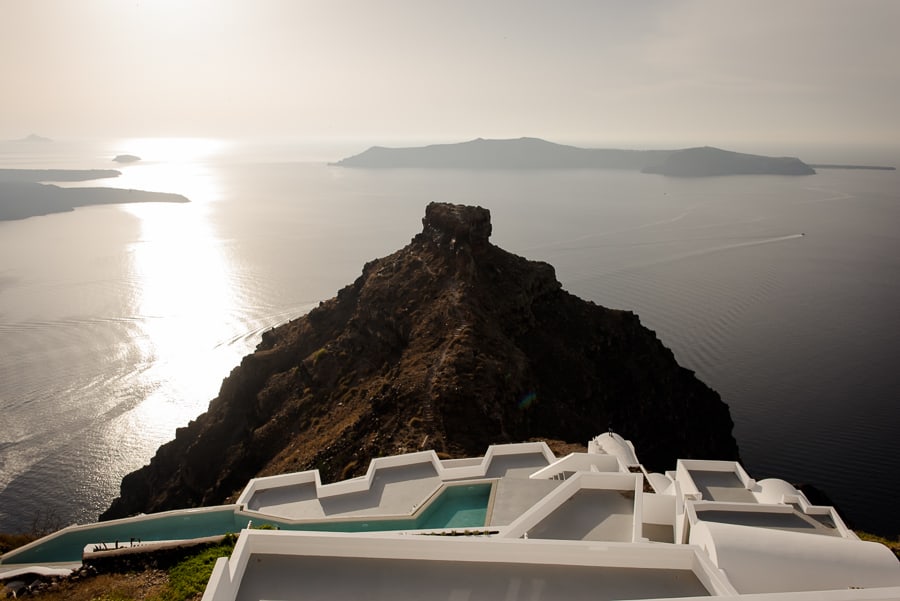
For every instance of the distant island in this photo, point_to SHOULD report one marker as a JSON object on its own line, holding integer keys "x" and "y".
{"x": 22, "y": 195}
{"x": 873, "y": 167}
{"x": 30, "y": 138}
{"x": 36, "y": 176}
{"x": 126, "y": 158}
{"x": 535, "y": 153}
{"x": 708, "y": 161}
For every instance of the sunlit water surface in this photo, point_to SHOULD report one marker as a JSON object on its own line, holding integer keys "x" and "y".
{"x": 118, "y": 323}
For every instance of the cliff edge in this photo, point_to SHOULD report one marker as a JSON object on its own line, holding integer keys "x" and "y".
{"x": 450, "y": 343}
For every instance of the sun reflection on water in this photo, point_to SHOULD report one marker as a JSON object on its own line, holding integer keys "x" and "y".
{"x": 177, "y": 165}
{"x": 184, "y": 298}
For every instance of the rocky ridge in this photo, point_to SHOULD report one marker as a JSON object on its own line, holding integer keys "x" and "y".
{"x": 451, "y": 344}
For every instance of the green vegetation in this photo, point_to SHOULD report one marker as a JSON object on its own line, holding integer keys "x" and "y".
{"x": 318, "y": 355}
{"x": 188, "y": 578}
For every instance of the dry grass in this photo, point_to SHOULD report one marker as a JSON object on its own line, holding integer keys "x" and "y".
{"x": 135, "y": 586}
{"x": 8, "y": 542}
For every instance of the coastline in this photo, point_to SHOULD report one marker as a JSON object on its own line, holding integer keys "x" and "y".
{"x": 24, "y": 193}
{"x": 21, "y": 201}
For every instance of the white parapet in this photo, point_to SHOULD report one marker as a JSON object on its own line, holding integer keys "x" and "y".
{"x": 580, "y": 462}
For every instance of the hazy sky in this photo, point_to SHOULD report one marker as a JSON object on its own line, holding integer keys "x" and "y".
{"x": 628, "y": 72}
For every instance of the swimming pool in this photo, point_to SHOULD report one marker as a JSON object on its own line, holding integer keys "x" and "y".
{"x": 460, "y": 506}
{"x": 68, "y": 544}
{"x": 456, "y": 506}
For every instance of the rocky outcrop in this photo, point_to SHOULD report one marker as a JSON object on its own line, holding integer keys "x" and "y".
{"x": 450, "y": 343}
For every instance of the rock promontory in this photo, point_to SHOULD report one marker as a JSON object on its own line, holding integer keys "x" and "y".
{"x": 451, "y": 344}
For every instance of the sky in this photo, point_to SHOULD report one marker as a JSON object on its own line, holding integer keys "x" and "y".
{"x": 633, "y": 74}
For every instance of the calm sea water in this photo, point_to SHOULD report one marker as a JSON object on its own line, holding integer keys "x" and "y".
{"x": 118, "y": 323}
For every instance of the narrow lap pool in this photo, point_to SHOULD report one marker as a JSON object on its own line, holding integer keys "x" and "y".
{"x": 456, "y": 506}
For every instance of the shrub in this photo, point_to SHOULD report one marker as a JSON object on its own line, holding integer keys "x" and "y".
{"x": 188, "y": 578}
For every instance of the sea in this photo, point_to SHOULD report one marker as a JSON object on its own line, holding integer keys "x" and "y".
{"x": 118, "y": 323}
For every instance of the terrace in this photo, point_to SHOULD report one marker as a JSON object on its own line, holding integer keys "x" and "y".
{"x": 588, "y": 525}
{"x": 271, "y": 566}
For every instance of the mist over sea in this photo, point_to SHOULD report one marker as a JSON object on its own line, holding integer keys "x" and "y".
{"x": 118, "y": 323}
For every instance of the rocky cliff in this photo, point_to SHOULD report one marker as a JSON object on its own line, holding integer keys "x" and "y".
{"x": 450, "y": 343}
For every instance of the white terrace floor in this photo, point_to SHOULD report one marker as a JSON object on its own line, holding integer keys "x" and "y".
{"x": 400, "y": 490}
{"x": 598, "y": 515}
{"x": 394, "y": 491}
{"x": 721, "y": 486}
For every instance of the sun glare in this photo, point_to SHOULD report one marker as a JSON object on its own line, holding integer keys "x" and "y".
{"x": 184, "y": 301}
{"x": 175, "y": 150}
{"x": 174, "y": 165}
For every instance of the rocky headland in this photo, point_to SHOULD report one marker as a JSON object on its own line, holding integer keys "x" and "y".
{"x": 22, "y": 195}
{"x": 451, "y": 344}
{"x": 534, "y": 153}
{"x": 35, "y": 176}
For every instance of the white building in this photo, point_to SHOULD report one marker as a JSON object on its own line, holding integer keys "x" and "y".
{"x": 590, "y": 525}
{"x": 520, "y": 523}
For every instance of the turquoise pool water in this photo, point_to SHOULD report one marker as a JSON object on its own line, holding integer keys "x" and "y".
{"x": 69, "y": 545}
{"x": 457, "y": 506}
{"x": 461, "y": 506}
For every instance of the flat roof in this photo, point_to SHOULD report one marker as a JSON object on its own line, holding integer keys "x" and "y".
{"x": 721, "y": 486}
{"x": 271, "y": 576}
{"x": 519, "y": 465}
{"x": 590, "y": 514}
{"x": 394, "y": 491}
{"x": 794, "y": 521}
